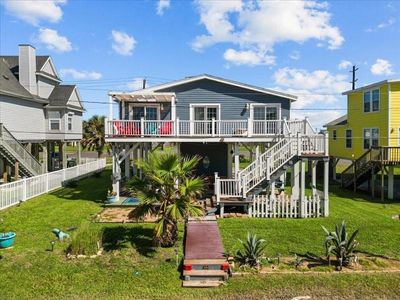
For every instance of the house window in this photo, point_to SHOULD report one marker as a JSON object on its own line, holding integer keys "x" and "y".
{"x": 349, "y": 138}
{"x": 265, "y": 112}
{"x": 371, "y": 100}
{"x": 69, "y": 122}
{"x": 371, "y": 137}
{"x": 54, "y": 120}
{"x": 334, "y": 134}
{"x": 146, "y": 112}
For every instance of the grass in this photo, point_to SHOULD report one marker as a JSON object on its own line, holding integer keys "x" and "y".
{"x": 131, "y": 268}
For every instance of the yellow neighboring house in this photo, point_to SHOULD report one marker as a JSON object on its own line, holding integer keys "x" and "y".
{"x": 369, "y": 136}
{"x": 373, "y": 119}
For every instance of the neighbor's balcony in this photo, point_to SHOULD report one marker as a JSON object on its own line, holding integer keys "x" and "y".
{"x": 207, "y": 129}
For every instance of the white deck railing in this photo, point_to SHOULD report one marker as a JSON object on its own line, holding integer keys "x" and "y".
{"x": 19, "y": 191}
{"x": 210, "y": 128}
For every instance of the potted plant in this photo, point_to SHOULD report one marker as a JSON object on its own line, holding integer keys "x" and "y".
{"x": 111, "y": 196}
{"x": 6, "y": 238}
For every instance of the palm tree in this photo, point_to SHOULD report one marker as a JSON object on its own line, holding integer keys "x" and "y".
{"x": 167, "y": 190}
{"x": 93, "y": 135}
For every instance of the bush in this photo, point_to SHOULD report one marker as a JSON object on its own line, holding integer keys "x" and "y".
{"x": 253, "y": 251}
{"x": 86, "y": 240}
{"x": 339, "y": 244}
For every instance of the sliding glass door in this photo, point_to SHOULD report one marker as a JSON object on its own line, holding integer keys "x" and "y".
{"x": 203, "y": 116}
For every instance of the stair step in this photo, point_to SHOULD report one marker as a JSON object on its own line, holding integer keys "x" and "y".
{"x": 205, "y": 273}
{"x": 208, "y": 261}
{"x": 202, "y": 283}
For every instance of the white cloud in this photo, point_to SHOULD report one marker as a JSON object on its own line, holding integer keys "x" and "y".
{"x": 162, "y": 5}
{"x": 258, "y": 26}
{"x": 135, "y": 84}
{"x": 318, "y": 92}
{"x": 388, "y": 23}
{"x": 382, "y": 67}
{"x": 344, "y": 64}
{"x": 123, "y": 44}
{"x": 248, "y": 57}
{"x": 34, "y": 11}
{"x": 53, "y": 40}
{"x": 80, "y": 75}
{"x": 295, "y": 55}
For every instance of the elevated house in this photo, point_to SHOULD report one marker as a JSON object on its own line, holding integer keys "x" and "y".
{"x": 211, "y": 117}
{"x": 37, "y": 115}
{"x": 368, "y": 136}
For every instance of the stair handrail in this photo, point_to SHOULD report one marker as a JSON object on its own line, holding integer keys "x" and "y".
{"x": 21, "y": 153}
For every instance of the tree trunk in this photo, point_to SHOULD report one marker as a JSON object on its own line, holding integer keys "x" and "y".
{"x": 169, "y": 236}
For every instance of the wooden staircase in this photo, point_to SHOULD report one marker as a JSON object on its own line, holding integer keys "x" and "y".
{"x": 13, "y": 151}
{"x": 370, "y": 162}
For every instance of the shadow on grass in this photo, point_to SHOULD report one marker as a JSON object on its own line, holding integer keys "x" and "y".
{"x": 93, "y": 188}
{"x": 120, "y": 237}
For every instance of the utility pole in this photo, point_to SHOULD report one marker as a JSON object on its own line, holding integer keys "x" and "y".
{"x": 354, "y": 80}
{"x": 144, "y": 83}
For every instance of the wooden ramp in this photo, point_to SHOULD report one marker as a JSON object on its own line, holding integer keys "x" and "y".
{"x": 204, "y": 264}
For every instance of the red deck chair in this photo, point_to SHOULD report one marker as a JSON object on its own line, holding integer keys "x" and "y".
{"x": 166, "y": 129}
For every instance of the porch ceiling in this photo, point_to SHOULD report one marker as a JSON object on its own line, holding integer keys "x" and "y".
{"x": 145, "y": 97}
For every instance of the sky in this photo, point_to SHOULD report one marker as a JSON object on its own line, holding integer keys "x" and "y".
{"x": 303, "y": 47}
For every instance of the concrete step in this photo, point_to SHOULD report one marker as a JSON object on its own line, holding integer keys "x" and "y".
{"x": 202, "y": 283}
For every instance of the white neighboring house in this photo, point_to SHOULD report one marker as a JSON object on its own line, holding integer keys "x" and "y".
{"x": 37, "y": 113}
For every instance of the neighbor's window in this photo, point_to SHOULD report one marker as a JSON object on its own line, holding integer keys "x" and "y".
{"x": 349, "y": 138}
{"x": 334, "y": 134}
{"x": 371, "y": 100}
{"x": 69, "y": 122}
{"x": 54, "y": 120}
{"x": 371, "y": 137}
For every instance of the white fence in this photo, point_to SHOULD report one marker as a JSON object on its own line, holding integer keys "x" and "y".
{"x": 22, "y": 190}
{"x": 286, "y": 207}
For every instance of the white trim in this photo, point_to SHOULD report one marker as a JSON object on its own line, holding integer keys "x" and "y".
{"x": 217, "y": 79}
{"x": 277, "y": 105}
{"x": 193, "y": 105}
{"x": 372, "y": 85}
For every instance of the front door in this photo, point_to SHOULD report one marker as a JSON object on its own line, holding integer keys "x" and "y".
{"x": 203, "y": 116}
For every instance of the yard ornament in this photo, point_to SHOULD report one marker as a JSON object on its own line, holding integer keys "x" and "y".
{"x": 60, "y": 234}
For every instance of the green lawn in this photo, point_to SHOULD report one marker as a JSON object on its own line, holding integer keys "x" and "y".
{"x": 131, "y": 268}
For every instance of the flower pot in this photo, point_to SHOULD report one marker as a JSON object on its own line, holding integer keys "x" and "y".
{"x": 111, "y": 199}
{"x": 7, "y": 239}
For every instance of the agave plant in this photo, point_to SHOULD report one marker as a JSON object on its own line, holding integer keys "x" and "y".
{"x": 252, "y": 252}
{"x": 339, "y": 244}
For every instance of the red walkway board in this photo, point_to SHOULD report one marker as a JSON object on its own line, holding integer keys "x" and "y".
{"x": 203, "y": 240}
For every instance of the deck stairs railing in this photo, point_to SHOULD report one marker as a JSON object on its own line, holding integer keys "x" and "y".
{"x": 371, "y": 159}
{"x": 12, "y": 150}
{"x": 271, "y": 161}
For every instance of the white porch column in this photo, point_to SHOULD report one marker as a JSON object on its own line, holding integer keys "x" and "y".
{"x": 295, "y": 178}
{"x": 390, "y": 182}
{"x": 314, "y": 177}
{"x": 110, "y": 107}
{"x": 173, "y": 108}
{"x": 127, "y": 163}
{"x": 78, "y": 153}
{"x": 236, "y": 157}
{"x": 273, "y": 189}
{"x": 326, "y": 187}
{"x": 116, "y": 171}
{"x": 303, "y": 179}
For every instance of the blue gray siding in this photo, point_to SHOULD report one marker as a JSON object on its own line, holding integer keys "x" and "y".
{"x": 232, "y": 99}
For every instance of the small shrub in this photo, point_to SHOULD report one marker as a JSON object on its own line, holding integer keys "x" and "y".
{"x": 86, "y": 240}
{"x": 252, "y": 252}
{"x": 339, "y": 244}
{"x": 71, "y": 184}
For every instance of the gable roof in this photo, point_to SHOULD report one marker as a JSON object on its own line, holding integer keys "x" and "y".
{"x": 13, "y": 62}
{"x": 337, "y": 122}
{"x": 370, "y": 86}
{"x": 61, "y": 95}
{"x": 10, "y": 85}
{"x": 216, "y": 79}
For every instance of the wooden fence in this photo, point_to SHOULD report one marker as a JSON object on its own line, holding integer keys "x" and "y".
{"x": 286, "y": 207}
{"x": 19, "y": 191}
